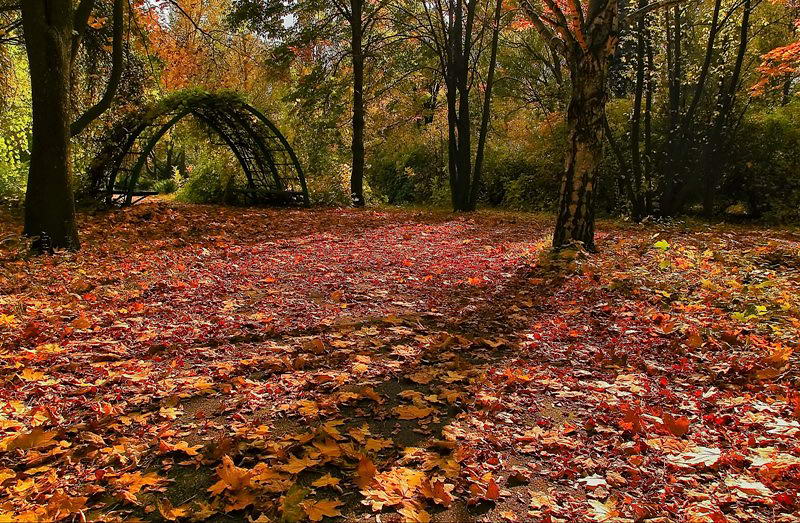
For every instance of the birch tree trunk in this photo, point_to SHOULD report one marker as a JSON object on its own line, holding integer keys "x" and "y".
{"x": 585, "y": 117}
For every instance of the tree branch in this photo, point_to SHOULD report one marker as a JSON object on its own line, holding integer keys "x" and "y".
{"x": 116, "y": 73}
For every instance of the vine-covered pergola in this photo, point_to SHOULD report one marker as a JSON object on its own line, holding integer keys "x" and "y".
{"x": 271, "y": 168}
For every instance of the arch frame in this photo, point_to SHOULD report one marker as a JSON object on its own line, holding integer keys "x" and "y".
{"x": 254, "y": 140}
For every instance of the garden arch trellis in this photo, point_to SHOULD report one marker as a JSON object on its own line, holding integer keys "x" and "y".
{"x": 270, "y": 165}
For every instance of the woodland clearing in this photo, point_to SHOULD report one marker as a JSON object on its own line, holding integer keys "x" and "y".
{"x": 203, "y": 362}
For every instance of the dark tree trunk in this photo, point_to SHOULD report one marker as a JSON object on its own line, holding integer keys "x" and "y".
{"x": 674, "y": 85}
{"x": 585, "y": 126}
{"x": 487, "y": 107}
{"x": 49, "y": 200}
{"x": 637, "y": 204}
{"x": 648, "y": 132}
{"x": 357, "y": 36}
{"x": 718, "y": 136}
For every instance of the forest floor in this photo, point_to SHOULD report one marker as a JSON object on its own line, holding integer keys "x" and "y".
{"x": 228, "y": 364}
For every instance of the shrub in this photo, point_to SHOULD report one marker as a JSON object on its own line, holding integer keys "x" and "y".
{"x": 167, "y": 186}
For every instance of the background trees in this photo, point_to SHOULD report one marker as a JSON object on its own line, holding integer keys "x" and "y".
{"x": 442, "y": 102}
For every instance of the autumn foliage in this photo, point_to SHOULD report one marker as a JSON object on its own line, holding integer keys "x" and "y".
{"x": 301, "y": 365}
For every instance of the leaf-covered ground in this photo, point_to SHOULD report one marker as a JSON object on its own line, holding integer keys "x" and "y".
{"x": 196, "y": 363}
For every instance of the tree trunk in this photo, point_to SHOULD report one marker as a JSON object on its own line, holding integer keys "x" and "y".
{"x": 637, "y": 205}
{"x": 356, "y": 45}
{"x": 718, "y": 136}
{"x": 585, "y": 117}
{"x": 487, "y": 108}
{"x": 49, "y": 200}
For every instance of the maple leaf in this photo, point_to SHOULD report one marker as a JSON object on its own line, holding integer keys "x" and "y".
{"x": 29, "y": 374}
{"x": 316, "y": 510}
{"x": 61, "y": 505}
{"x": 412, "y": 411}
{"x": 326, "y": 481}
{"x": 604, "y": 511}
{"x": 81, "y": 322}
{"x": 134, "y": 481}
{"x": 677, "y": 426}
{"x": 697, "y": 457}
{"x": 423, "y": 377}
{"x": 297, "y": 465}
{"x": 748, "y": 486}
{"x": 414, "y": 514}
{"x": 34, "y": 439}
{"x": 377, "y": 444}
{"x": 291, "y": 508}
{"x": 365, "y": 472}
{"x": 181, "y": 446}
{"x": 328, "y": 448}
{"x": 438, "y": 491}
{"x": 232, "y": 478}
{"x": 169, "y": 512}
{"x": 239, "y": 500}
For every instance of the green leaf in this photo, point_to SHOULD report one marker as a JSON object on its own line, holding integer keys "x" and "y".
{"x": 661, "y": 245}
{"x": 292, "y": 511}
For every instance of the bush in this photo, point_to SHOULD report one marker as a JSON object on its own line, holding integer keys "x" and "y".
{"x": 167, "y": 186}
{"x": 13, "y": 179}
{"x": 207, "y": 185}
{"x": 408, "y": 168}
{"x": 765, "y": 173}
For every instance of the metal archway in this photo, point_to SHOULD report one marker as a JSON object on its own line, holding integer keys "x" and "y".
{"x": 270, "y": 165}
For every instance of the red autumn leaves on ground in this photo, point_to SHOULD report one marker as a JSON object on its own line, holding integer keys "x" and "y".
{"x": 277, "y": 365}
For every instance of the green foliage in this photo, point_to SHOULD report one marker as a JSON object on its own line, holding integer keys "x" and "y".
{"x": 15, "y": 121}
{"x": 406, "y": 169}
{"x": 206, "y": 184}
{"x": 766, "y": 171}
{"x": 168, "y": 186}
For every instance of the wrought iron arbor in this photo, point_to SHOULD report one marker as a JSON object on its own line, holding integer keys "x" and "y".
{"x": 269, "y": 163}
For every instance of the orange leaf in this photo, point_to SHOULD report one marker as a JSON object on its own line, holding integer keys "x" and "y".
{"x": 677, "y": 426}
{"x": 316, "y": 510}
{"x": 366, "y": 471}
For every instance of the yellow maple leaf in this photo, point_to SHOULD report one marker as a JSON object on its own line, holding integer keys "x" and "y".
{"x": 231, "y": 477}
{"x": 377, "y": 444}
{"x": 134, "y": 481}
{"x": 297, "y": 465}
{"x": 316, "y": 510}
{"x": 412, "y": 411}
{"x": 169, "y": 512}
{"x": 365, "y": 471}
{"x": 29, "y": 374}
{"x": 329, "y": 448}
{"x": 183, "y": 446}
{"x": 414, "y": 514}
{"x": 31, "y": 440}
{"x": 326, "y": 481}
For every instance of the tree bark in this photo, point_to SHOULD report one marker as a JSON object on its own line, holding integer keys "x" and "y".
{"x": 637, "y": 205}
{"x": 487, "y": 107}
{"x": 717, "y": 137}
{"x": 49, "y": 200}
{"x": 357, "y": 36}
{"x": 585, "y": 117}
{"x": 104, "y": 103}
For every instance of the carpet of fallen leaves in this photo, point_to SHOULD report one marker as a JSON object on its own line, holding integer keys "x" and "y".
{"x": 204, "y": 363}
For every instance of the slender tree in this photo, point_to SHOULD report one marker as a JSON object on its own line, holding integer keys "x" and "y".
{"x": 586, "y": 36}
{"x": 459, "y": 32}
